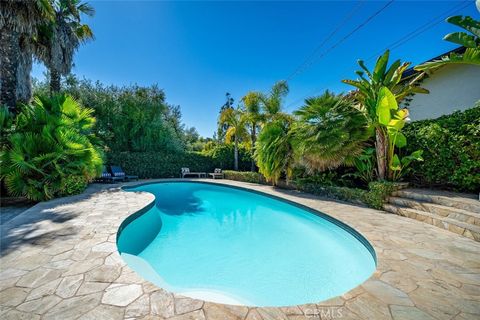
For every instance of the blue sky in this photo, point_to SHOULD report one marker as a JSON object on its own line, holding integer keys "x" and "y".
{"x": 197, "y": 51}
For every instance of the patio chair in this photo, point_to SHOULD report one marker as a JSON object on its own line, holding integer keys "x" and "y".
{"x": 119, "y": 173}
{"x": 107, "y": 176}
{"x": 217, "y": 173}
{"x": 186, "y": 172}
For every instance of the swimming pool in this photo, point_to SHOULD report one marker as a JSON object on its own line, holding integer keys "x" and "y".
{"x": 234, "y": 246}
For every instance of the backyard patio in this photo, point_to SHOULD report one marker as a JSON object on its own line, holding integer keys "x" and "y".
{"x": 60, "y": 261}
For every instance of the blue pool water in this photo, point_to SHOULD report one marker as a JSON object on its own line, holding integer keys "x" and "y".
{"x": 234, "y": 246}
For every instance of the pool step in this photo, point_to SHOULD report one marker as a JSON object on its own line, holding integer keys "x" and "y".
{"x": 458, "y": 213}
{"x": 465, "y": 229}
{"x": 444, "y": 211}
{"x": 469, "y": 202}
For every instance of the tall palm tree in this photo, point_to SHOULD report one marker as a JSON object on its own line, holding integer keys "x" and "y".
{"x": 329, "y": 132}
{"x": 272, "y": 102}
{"x": 59, "y": 40}
{"x": 19, "y": 21}
{"x": 235, "y": 121}
{"x": 253, "y": 117}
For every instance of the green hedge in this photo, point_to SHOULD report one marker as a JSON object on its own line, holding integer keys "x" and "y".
{"x": 160, "y": 165}
{"x": 222, "y": 156}
{"x": 374, "y": 197}
{"x": 451, "y": 154}
{"x": 245, "y": 176}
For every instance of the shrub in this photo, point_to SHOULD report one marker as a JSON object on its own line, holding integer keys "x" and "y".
{"x": 451, "y": 147}
{"x": 374, "y": 197}
{"x": 160, "y": 164}
{"x": 378, "y": 193}
{"x": 73, "y": 185}
{"x": 51, "y": 150}
{"x": 245, "y": 176}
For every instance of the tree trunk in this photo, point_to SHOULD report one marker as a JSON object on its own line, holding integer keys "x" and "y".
{"x": 235, "y": 164}
{"x": 54, "y": 81}
{"x": 254, "y": 138}
{"x": 9, "y": 53}
{"x": 25, "y": 61}
{"x": 381, "y": 150}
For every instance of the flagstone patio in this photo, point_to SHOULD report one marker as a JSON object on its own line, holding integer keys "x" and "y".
{"x": 60, "y": 261}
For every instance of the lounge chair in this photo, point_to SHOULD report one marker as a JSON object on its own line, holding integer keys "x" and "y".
{"x": 107, "y": 176}
{"x": 119, "y": 173}
{"x": 217, "y": 173}
{"x": 186, "y": 172}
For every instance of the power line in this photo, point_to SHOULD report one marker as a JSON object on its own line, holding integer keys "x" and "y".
{"x": 320, "y": 46}
{"x": 423, "y": 28}
{"x": 348, "y": 35}
{"x": 411, "y": 35}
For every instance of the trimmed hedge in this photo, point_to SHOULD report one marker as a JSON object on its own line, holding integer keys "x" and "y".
{"x": 223, "y": 157}
{"x": 451, "y": 151}
{"x": 374, "y": 197}
{"x": 149, "y": 165}
{"x": 245, "y": 176}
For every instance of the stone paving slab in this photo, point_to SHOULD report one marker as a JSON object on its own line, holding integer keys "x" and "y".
{"x": 59, "y": 261}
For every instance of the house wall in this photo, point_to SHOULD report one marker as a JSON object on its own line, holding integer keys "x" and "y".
{"x": 452, "y": 88}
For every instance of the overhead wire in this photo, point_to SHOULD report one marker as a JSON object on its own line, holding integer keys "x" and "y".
{"x": 404, "y": 39}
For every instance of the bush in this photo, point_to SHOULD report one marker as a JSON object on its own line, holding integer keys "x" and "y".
{"x": 451, "y": 154}
{"x": 148, "y": 165}
{"x": 73, "y": 185}
{"x": 378, "y": 193}
{"x": 50, "y": 150}
{"x": 245, "y": 176}
{"x": 374, "y": 197}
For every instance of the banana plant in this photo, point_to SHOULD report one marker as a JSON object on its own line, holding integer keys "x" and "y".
{"x": 470, "y": 40}
{"x": 368, "y": 95}
{"x": 394, "y": 119}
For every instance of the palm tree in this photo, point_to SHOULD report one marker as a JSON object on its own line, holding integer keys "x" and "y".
{"x": 369, "y": 100}
{"x": 272, "y": 102}
{"x": 235, "y": 121}
{"x": 274, "y": 151}
{"x": 52, "y": 151}
{"x": 470, "y": 41}
{"x": 252, "y": 117}
{"x": 59, "y": 40}
{"x": 19, "y": 21}
{"x": 329, "y": 132}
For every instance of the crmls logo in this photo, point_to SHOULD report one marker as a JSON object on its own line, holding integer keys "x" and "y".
{"x": 324, "y": 313}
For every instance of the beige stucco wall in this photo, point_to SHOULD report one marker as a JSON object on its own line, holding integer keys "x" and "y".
{"x": 453, "y": 87}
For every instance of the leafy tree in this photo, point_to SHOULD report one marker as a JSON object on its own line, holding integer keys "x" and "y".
{"x": 222, "y": 127}
{"x": 19, "y": 21}
{"x": 369, "y": 86}
{"x": 329, "y": 132}
{"x": 52, "y": 151}
{"x": 470, "y": 41}
{"x": 59, "y": 39}
{"x": 274, "y": 149}
{"x": 235, "y": 121}
{"x": 129, "y": 119}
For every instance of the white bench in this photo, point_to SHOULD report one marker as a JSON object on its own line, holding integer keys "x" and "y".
{"x": 186, "y": 172}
